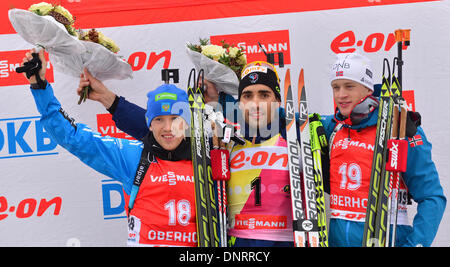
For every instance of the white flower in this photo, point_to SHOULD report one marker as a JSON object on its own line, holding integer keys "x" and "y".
{"x": 232, "y": 51}
{"x": 242, "y": 60}
{"x": 213, "y": 51}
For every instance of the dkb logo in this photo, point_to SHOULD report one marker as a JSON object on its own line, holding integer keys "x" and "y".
{"x": 113, "y": 200}
{"x": 24, "y": 137}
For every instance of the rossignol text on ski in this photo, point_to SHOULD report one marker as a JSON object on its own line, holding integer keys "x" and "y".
{"x": 304, "y": 210}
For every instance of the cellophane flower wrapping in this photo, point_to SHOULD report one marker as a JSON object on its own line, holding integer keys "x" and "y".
{"x": 67, "y": 53}
{"x": 222, "y": 76}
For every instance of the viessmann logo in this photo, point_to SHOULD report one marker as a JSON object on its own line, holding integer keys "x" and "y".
{"x": 106, "y": 126}
{"x": 271, "y": 41}
{"x": 9, "y": 61}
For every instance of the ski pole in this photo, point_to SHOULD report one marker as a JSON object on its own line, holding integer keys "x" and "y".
{"x": 319, "y": 142}
{"x": 398, "y": 145}
{"x": 221, "y": 174}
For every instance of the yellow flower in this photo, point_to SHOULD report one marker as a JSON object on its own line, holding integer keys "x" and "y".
{"x": 41, "y": 8}
{"x": 108, "y": 43}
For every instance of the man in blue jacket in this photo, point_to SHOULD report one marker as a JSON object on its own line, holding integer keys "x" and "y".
{"x": 351, "y": 151}
{"x": 156, "y": 173}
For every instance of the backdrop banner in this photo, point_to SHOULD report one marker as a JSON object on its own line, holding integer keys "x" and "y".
{"x": 49, "y": 198}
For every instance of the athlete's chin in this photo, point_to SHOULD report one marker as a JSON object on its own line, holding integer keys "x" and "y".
{"x": 171, "y": 144}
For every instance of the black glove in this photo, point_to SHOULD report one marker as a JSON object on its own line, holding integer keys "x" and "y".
{"x": 413, "y": 120}
{"x": 31, "y": 68}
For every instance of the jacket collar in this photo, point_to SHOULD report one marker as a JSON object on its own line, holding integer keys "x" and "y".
{"x": 363, "y": 115}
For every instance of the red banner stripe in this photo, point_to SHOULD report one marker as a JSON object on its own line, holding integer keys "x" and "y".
{"x": 113, "y": 13}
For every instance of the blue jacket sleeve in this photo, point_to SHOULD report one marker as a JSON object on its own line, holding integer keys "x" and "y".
{"x": 113, "y": 157}
{"x": 130, "y": 118}
{"x": 423, "y": 183}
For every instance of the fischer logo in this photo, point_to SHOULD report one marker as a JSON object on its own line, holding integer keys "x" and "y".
{"x": 27, "y": 208}
{"x": 271, "y": 41}
{"x": 197, "y": 133}
{"x": 383, "y": 125}
{"x": 24, "y": 137}
{"x": 347, "y": 42}
{"x": 139, "y": 60}
{"x": 106, "y": 126}
{"x": 9, "y": 61}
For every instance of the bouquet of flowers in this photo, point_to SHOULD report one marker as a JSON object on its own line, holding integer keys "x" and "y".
{"x": 222, "y": 63}
{"x": 63, "y": 16}
{"x": 59, "y": 13}
{"x": 70, "y": 50}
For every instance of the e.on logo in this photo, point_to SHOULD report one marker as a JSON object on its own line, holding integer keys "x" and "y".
{"x": 10, "y": 60}
{"x": 347, "y": 42}
{"x": 27, "y": 207}
{"x": 271, "y": 41}
{"x": 139, "y": 60}
{"x": 270, "y": 158}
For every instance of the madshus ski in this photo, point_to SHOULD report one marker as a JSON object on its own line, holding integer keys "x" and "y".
{"x": 205, "y": 201}
{"x": 301, "y": 168}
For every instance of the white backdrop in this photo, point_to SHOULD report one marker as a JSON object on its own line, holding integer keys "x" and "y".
{"x": 49, "y": 198}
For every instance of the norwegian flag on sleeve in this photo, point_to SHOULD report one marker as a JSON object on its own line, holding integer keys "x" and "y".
{"x": 416, "y": 140}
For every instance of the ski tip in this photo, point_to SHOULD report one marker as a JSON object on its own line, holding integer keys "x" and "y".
{"x": 287, "y": 84}
{"x": 301, "y": 79}
{"x": 287, "y": 76}
{"x": 301, "y": 83}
